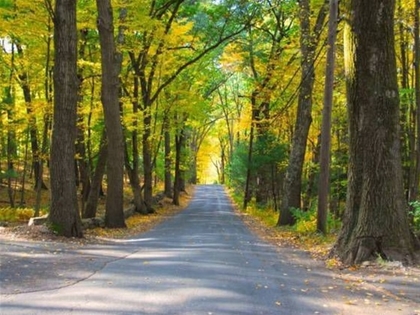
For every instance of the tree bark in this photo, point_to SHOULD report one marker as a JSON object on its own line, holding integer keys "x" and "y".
{"x": 95, "y": 186}
{"x": 292, "y": 187}
{"x": 111, "y": 60}
{"x": 64, "y": 216}
{"x": 415, "y": 180}
{"x": 82, "y": 162}
{"x": 375, "y": 219}
{"x": 147, "y": 156}
{"x": 179, "y": 185}
{"x": 168, "y": 158}
{"x": 324, "y": 176}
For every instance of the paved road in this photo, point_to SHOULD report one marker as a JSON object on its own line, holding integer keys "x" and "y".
{"x": 202, "y": 261}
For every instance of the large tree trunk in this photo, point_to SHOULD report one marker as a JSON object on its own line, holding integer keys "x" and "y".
{"x": 375, "y": 221}
{"x": 64, "y": 215}
{"x": 111, "y": 60}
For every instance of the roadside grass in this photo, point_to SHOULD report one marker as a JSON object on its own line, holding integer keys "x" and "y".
{"x": 303, "y": 235}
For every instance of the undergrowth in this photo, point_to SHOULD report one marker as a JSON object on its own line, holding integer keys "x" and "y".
{"x": 16, "y": 215}
{"x": 303, "y": 234}
{"x": 415, "y": 214}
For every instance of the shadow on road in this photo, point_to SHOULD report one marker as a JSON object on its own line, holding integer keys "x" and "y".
{"x": 202, "y": 261}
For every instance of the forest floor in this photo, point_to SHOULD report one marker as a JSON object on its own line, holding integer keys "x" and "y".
{"x": 389, "y": 279}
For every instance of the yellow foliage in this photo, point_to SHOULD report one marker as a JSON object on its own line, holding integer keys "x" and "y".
{"x": 233, "y": 58}
{"x": 307, "y": 226}
{"x": 9, "y": 214}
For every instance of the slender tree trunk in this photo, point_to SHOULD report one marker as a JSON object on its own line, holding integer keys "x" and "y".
{"x": 324, "y": 175}
{"x": 82, "y": 162}
{"x": 415, "y": 183}
{"x": 292, "y": 188}
{"x": 222, "y": 163}
{"x": 11, "y": 144}
{"x": 248, "y": 188}
{"x": 179, "y": 143}
{"x": 375, "y": 221}
{"x": 133, "y": 167}
{"x": 168, "y": 158}
{"x": 313, "y": 174}
{"x": 147, "y": 158}
{"x": 33, "y": 130}
{"x": 133, "y": 175}
{"x": 91, "y": 204}
{"x": 64, "y": 216}
{"x": 39, "y": 182}
{"x": 111, "y": 60}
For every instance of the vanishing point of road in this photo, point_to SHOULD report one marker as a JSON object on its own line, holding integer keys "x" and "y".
{"x": 202, "y": 261}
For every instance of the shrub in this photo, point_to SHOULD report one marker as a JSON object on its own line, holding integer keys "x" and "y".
{"x": 9, "y": 214}
{"x": 306, "y": 221}
{"x": 415, "y": 213}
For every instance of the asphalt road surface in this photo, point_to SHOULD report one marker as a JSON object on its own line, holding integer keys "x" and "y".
{"x": 202, "y": 261}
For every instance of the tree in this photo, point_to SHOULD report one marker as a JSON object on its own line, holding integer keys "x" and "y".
{"x": 415, "y": 181}
{"x": 375, "y": 221}
{"x": 324, "y": 181}
{"x": 291, "y": 197}
{"x": 162, "y": 50}
{"x": 111, "y": 61}
{"x": 407, "y": 37}
{"x": 64, "y": 215}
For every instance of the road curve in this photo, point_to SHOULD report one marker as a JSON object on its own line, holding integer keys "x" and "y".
{"x": 202, "y": 261}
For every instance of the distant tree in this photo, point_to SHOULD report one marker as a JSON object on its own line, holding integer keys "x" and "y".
{"x": 375, "y": 220}
{"x": 64, "y": 215}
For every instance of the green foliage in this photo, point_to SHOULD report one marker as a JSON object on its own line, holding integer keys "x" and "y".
{"x": 236, "y": 170}
{"x": 264, "y": 214}
{"x": 10, "y": 173}
{"x": 268, "y": 151}
{"x": 268, "y": 216}
{"x": 306, "y": 221}
{"x": 415, "y": 213}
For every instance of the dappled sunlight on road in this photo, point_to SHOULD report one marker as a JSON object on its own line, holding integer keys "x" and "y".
{"x": 202, "y": 261}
